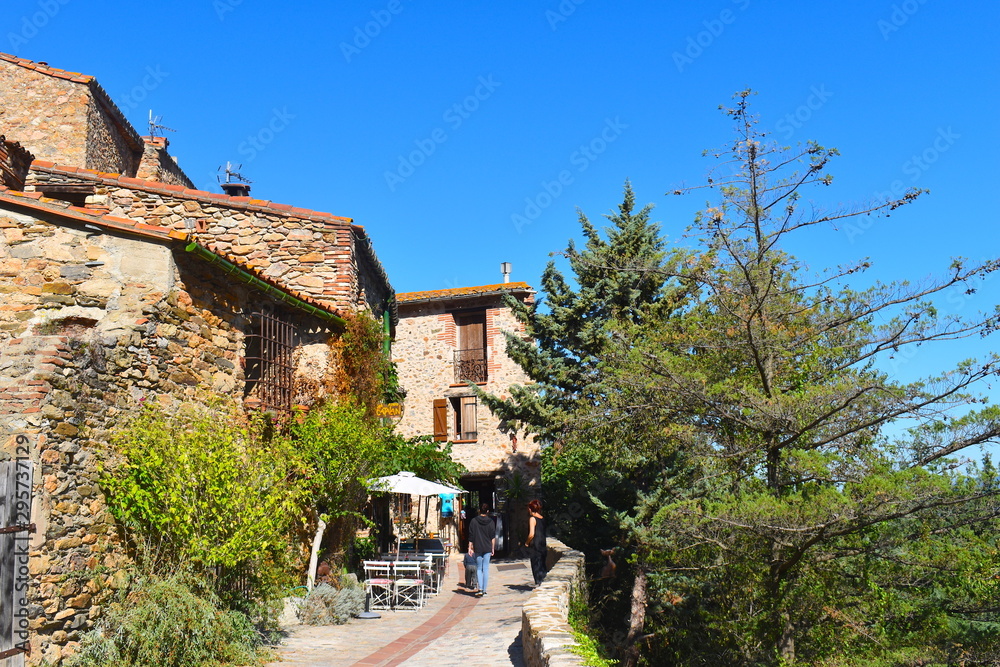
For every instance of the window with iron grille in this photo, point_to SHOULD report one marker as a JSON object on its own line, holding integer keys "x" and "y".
{"x": 270, "y": 344}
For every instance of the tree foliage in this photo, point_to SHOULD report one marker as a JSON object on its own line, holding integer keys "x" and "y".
{"x": 616, "y": 273}
{"x": 793, "y": 502}
{"x": 422, "y": 456}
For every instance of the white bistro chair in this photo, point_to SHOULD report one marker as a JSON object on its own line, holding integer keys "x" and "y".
{"x": 379, "y": 584}
{"x": 409, "y": 585}
{"x": 431, "y": 575}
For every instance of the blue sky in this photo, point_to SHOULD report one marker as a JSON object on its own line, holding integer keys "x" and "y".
{"x": 435, "y": 125}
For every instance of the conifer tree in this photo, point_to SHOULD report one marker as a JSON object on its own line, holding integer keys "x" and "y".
{"x": 614, "y": 277}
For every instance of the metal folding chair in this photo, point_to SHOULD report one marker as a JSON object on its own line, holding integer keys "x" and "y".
{"x": 409, "y": 585}
{"x": 379, "y": 584}
{"x": 430, "y": 571}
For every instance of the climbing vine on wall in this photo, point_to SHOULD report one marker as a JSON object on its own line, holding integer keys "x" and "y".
{"x": 363, "y": 371}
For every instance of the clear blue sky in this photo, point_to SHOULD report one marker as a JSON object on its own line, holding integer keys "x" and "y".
{"x": 366, "y": 125}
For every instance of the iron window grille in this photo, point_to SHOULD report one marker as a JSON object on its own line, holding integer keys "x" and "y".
{"x": 270, "y": 345}
{"x": 470, "y": 366}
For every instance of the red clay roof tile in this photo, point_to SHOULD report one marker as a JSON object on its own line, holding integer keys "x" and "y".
{"x": 156, "y": 186}
{"x": 479, "y": 290}
{"x": 79, "y": 214}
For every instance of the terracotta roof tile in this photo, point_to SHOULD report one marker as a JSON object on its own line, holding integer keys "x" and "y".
{"x": 45, "y": 69}
{"x": 479, "y": 290}
{"x": 78, "y": 214}
{"x": 263, "y": 205}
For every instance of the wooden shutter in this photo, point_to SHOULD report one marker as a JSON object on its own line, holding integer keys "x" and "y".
{"x": 471, "y": 330}
{"x": 468, "y": 428}
{"x": 440, "y": 419}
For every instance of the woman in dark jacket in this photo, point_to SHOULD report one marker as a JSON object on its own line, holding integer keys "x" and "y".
{"x": 537, "y": 549}
{"x": 482, "y": 544}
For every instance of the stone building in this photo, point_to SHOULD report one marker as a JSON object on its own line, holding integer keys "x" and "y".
{"x": 121, "y": 284}
{"x": 445, "y": 340}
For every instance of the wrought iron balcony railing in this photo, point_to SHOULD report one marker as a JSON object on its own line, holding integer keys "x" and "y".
{"x": 470, "y": 366}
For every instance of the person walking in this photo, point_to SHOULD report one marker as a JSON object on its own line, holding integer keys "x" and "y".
{"x": 537, "y": 548}
{"x": 482, "y": 545}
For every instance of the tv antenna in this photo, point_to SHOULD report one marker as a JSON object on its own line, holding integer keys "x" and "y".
{"x": 154, "y": 125}
{"x": 232, "y": 173}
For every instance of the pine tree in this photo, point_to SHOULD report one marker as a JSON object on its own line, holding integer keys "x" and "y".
{"x": 615, "y": 277}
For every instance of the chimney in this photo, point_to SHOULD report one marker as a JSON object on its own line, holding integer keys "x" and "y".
{"x": 236, "y": 189}
{"x": 156, "y": 164}
{"x": 505, "y": 270}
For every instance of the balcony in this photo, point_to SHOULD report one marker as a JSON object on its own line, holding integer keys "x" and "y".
{"x": 470, "y": 366}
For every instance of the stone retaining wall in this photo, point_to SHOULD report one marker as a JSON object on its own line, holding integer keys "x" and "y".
{"x": 545, "y": 631}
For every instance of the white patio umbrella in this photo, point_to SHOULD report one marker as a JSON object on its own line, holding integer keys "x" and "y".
{"x": 409, "y": 483}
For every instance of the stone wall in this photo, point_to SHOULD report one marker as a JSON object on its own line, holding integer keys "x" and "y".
{"x": 91, "y": 326}
{"x": 109, "y": 145}
{"x": 374, "y": 288}
{"x": 309, "y": 252}
{"x": 424, "y": 354}
{"x": 545, "y": 631}
{"x": 65, "y": 117}
{"x": 47, "y": 115}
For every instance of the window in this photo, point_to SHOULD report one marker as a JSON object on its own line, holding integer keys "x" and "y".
{"x": 270, "y": 342}
{"x": 464, "y": 408}
{"x": 470, "y": 357}
{"x": 456, "y": 421}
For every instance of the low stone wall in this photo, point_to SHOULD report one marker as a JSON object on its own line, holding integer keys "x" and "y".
{"x": 545, "y": 632}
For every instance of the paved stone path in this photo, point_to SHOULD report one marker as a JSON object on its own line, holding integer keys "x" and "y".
{"x": 454, "y": 629}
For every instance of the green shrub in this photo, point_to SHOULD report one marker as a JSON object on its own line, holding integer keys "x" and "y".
{"x": 215, "y": 487}
{"x": 170, "y": 622}
{"x": 210, "y": 490}
{"x": 587, "y": 647}
{"x": 327, "y": 605}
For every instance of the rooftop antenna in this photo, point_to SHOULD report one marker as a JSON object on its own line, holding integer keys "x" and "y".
{"x": 231, "y": 172}
{"x": 154, "y": 125}
{"x": 236, "y": 184}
